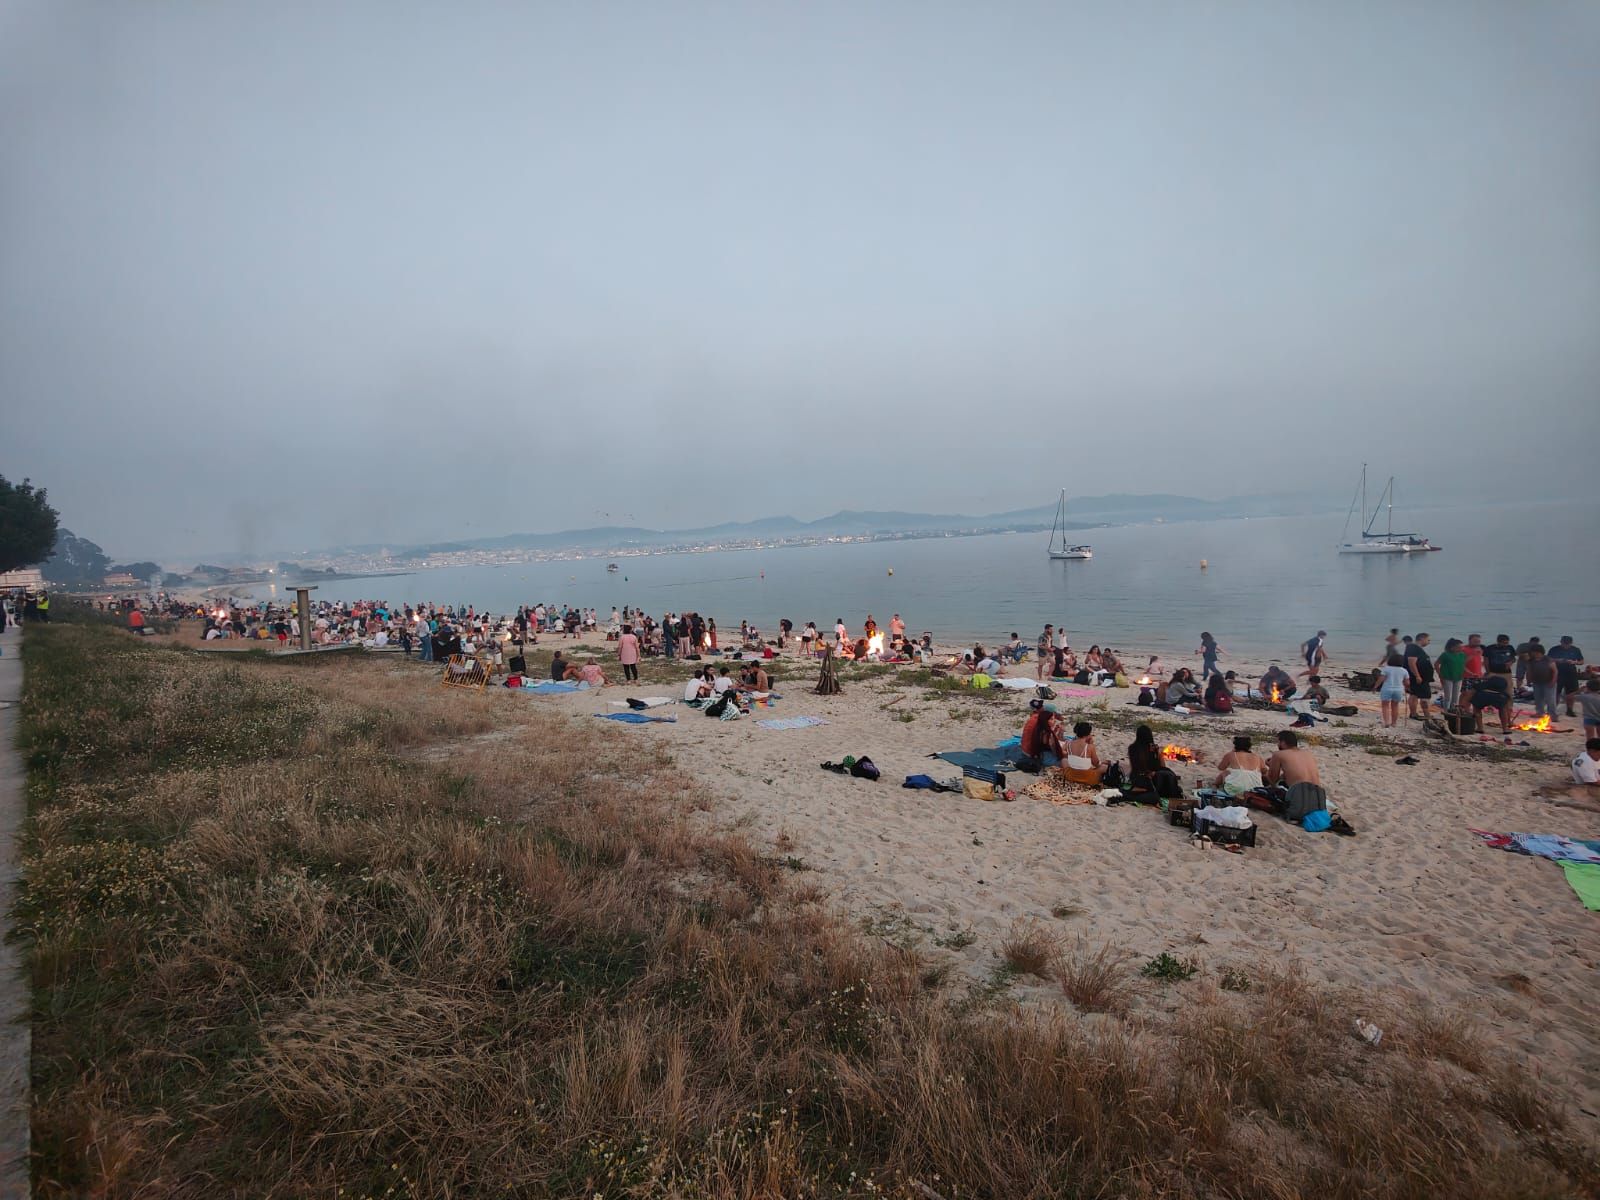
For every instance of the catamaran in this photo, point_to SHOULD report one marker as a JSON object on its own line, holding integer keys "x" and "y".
{"x": 1063, "y": 550}
{"x": 1388, "y": 542}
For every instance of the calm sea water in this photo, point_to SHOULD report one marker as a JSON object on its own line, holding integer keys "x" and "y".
{"x": 1270, "y": 584}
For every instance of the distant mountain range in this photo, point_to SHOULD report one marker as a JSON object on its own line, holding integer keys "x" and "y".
{"x": 1085, "y": 512}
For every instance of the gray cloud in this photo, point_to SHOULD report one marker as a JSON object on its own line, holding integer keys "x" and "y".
{"x": 280, "y": 275}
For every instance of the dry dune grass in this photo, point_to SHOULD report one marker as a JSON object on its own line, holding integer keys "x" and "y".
{"x": 305, "y": 958}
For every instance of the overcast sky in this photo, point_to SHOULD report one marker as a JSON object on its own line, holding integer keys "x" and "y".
{"x": 279, "y": 275}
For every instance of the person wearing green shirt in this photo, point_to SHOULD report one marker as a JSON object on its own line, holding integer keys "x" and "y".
{"x": 1452, "y": 666}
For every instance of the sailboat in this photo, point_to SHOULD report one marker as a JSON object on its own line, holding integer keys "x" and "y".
{"x": 1062, "y": 550}
{"x": 1388, "y": 542}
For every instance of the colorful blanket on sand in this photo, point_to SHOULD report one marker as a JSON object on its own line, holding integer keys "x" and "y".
{"x": 790, "y": 722}
{"x": 1544, "y": 845}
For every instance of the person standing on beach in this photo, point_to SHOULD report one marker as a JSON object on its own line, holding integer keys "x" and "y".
{"x": 1525, "y": 652}
{"x": 1542, "y": 676}
{"x": 1208, "y": 655}
{"x": 841, "y": 635}
{"x": 1420, "y": 667}
{"x": 1046, "y": 649}
{"x": 628, "y": 654}
{"x": 808, "y": 637}
{"x": 1315, "y": 651}
{"x": 1569, "y": 661}
{"x": 1452, "y": 670}
{"x": 897, "y": 628}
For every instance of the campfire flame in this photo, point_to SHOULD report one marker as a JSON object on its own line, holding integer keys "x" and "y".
{"x": 1144, "y": 681}
{"x": 1178, "y": 753}
{"x": 1276, "y": 696}
{"x": 875, "y": 644}
{"x": 1542, "y": 725}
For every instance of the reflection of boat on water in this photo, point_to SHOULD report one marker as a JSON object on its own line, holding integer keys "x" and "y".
{"x": 612, "y": 567}
{"x": 1388, "y": 542}
{"x": 1062, "y": 550}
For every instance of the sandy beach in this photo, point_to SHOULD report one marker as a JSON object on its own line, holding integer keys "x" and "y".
{"x": 1414, "y": 901}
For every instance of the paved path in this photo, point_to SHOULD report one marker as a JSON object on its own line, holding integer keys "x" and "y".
{"x": 14, "y": 1030}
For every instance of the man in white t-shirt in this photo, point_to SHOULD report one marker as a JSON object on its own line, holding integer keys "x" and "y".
{"x": 1586, "y": 767}
{"x": 723, "y": 683}
{"x": 697, "y": 688}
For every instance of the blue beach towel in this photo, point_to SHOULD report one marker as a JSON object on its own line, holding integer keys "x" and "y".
{"x": 790, "y": 722}
{"x": 550, "y": 687}
{"x": 633, "y": 718}
{"x": 991, "y": 757}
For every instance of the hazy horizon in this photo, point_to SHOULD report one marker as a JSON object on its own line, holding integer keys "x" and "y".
{"x": 319, "y": 275}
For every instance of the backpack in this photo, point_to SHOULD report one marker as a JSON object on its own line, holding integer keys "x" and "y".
{"x": 864, "y": 768}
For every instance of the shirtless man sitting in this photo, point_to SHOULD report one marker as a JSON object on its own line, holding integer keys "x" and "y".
{"x": 1296, "y": 771}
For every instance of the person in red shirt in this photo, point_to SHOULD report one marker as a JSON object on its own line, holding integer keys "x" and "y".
{"x": 1474, "y": 652}
{"x": 135, "y": 621}
{"x": 1041, "y": 735}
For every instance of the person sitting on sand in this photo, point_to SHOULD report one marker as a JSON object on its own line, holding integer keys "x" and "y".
{"x": 1148, "y": 773}
{"x": 754, "y": 678}
{"x": 1110, "y": 661}
{"x": 1240, "y": 770}
{"x": 1182, "y": 689}
{"x": 591, "y": 673}
{"x": 723, "y": 682}
{"x": 1277, "y": 677}
{"x": 558, "y": 667}
{"x": 1015, "y": 651}
{"x": 1586, "y": 767}
{"x": 699, "y": 685}
{"x": 1156, "y": 670}
{"x": 1041, "y": 735}
{"x": 1316, "y": 691}
{"x": 1082, "y": 759}
{"x": 1295, "y": 770}
{"x": 1218, "y": 697}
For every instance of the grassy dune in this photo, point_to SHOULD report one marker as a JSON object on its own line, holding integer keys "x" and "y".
{"x": 320, "y": 927}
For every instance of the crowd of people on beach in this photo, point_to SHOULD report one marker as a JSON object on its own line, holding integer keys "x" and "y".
{"x": 1458, "y": 684}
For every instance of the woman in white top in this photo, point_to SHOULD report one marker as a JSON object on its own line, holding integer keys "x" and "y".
{"x": 1392, "y": 691}
{"x": 1240, "y": 769}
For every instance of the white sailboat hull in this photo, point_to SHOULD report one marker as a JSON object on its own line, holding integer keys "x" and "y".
{"x": 1076, "y": 552}
{"x": 1385, "y": 548}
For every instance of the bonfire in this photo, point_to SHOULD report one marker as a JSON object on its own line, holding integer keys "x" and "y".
{"x": 1542, "y": 725}
{"x": 1177, "y": 753}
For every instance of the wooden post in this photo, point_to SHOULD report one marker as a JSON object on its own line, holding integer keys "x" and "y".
{"x": 828, "y": 682}
{"x": 303, "y": 602}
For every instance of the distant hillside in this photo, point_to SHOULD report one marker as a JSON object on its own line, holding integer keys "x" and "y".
{"x": 1082, "y": 512}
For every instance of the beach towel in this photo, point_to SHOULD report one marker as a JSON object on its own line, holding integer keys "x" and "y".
{"x": 991, "y": 757}
{"x": 549, "y": 687}
{"x": 1585, "y": 881}
{"x": 1016, "y": 685}
{"x": 1544, "y": 845}
{"x": 643, "y": 702}
{"x": 790, "y": 722}
{"x": 633, "y": 718}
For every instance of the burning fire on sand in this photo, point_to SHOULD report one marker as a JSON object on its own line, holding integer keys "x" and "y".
{"x": 1179, "y": 753}
{"x": 1542, "y": 725}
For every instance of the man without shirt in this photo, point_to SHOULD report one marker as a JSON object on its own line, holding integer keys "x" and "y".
{"x": 1296, "y": 771}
